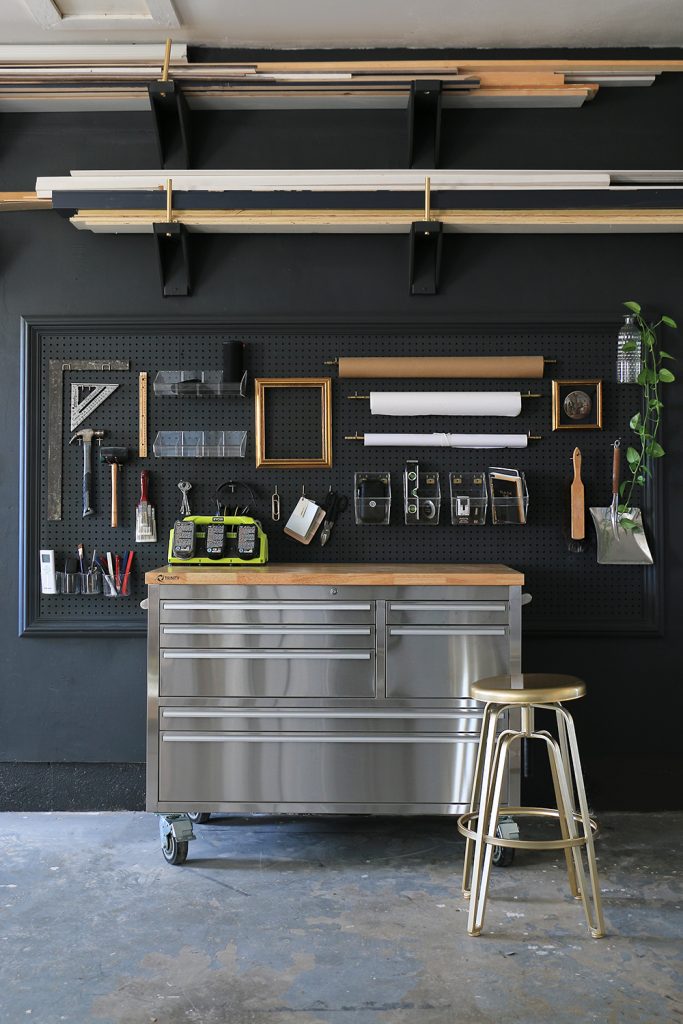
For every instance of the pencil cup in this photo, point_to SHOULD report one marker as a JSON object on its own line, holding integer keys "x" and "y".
{"x": 90, "y": 582}
{"x": 68, "y": 582}
{"x": 116, "y": 586}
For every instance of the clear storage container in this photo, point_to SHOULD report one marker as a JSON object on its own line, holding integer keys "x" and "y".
{"x": 200, "y": 444}
{"x": 469, "y": 498}
{"x": 372, "y": 498}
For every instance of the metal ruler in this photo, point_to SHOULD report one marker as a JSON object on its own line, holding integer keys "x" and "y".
{"x": 142, "y": 415}
{"x": 55, "y": 408}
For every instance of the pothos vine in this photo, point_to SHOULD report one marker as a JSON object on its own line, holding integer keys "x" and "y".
{"x": 646, "y": 423}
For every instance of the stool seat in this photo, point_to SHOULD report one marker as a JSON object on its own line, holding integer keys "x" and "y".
{"x": 536, "y": 688}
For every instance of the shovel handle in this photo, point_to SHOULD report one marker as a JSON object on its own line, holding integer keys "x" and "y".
{"x": 576, "y": 461}
{"x": 616, "y": 464}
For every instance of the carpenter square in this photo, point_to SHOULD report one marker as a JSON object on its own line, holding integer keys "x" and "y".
{"x": 85, "y": 398}
{"x": 55, "y": 392}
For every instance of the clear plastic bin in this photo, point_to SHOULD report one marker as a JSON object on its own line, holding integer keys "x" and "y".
{"x": 509, "y": 497}
{"x": 200, "y": 444}
{"x": 372, "y": 498}
{"x": 90, "y": 582}
{"x": 469, "y": 499}
{"x": 197, "y": 384}
{"x": 68, "y": 582}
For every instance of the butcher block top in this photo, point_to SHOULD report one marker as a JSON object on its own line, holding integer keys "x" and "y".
{"x": 341, "y": 574}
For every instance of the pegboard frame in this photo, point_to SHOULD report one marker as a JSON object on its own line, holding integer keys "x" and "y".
{"x": 33, "y": 329}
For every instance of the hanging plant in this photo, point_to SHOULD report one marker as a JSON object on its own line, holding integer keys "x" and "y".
{"x": 646, "y": 423}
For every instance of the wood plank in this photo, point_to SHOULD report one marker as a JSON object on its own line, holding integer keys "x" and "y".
{"x": 384, "y": 221}
{"x": 23, "y": 201}
{"x": 340, "y": 574}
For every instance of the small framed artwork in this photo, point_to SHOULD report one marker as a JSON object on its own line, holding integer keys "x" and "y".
{"x": 577, "y": 405}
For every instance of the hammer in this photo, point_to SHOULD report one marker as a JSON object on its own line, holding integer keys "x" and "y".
{"x": 85, "y": 438}
{"x": 115, "y": 457}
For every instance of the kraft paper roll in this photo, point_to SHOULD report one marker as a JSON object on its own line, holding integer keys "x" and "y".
{"x": 442, "y": 366}
{"x": 445, "y": 403}
{"x": 446, "y": 440}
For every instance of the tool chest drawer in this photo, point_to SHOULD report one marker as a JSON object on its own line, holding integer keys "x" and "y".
{"x": 275, "y": 636}
{"x": 266, "y": 673}
{"x": 442, "y": 661}
{"x": 355, "y": 720}
{"x": 248, "y": 612}
{"x": 445, "y": 613}
{"x": 214, "y": 768}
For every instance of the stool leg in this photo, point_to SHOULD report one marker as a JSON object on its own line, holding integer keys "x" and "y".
{"x": 482, "y": 768}
{"x": 595, "y": 920}
{"x": 564, "y": 749}
{"x": 577, "y": 877}
{"x": 484, "y": 851}
{"x": 563, "y": 811}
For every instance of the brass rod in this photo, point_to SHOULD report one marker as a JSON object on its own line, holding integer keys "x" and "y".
{"x": 355, "y": 437}
{"x": 550, "y": 360}
{"x": 535, "y": 437}
{"x": 356, "y": 395}
{"x": 167, "y": 61}
{"x": 428, "y": 198}
{"x": 169, "y": 200}
{"x": 331, "y": 362}
{"x": 529, "y": 395}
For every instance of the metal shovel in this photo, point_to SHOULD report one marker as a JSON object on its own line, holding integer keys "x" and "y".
{"x": 617, "y": 546}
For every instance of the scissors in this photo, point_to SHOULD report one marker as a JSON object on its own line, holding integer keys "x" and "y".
{"x": 336, "y": 503}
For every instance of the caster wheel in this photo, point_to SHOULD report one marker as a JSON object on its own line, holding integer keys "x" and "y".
{"x": 199, "y": 817}
{"x": 503, "y": 856}
{"x": 174, "y": 852}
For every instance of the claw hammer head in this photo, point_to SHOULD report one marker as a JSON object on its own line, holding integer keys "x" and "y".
{"x": 87, "y": 435}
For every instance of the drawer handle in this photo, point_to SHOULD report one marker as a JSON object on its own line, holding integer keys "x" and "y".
{"x": 316, "y": 738}
{"x": 447, "y": 607}
{"x": 270, "y": 655}
{"x": 267, "y": 630}
{"x": 295, "y": 606}
{"x": 323, "y": 713}
{"x": 447, "y": 631}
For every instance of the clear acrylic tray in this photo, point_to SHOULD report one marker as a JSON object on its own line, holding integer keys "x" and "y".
{"x": 197, "y": 384}
{"x": 200, "y": 444}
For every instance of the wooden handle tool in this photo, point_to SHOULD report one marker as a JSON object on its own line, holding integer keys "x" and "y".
{"x": 577, "y": 500}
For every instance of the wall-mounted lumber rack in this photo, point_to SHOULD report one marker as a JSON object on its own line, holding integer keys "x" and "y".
{"x": 81, "y": 80}
{"x": 145, "y": 202}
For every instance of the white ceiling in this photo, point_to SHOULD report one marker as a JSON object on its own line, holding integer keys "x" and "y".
{"x": 352, "y": 23}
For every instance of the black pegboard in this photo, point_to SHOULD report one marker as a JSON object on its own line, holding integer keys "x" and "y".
{"x": 571, "y": 592}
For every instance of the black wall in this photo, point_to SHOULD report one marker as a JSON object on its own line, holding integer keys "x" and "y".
{"x": 72, "y": 712}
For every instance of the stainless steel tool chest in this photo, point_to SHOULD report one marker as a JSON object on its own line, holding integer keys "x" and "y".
{"x": 321, "y": 698}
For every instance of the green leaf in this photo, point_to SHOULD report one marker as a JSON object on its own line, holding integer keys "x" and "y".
{"x": 666, "y": 375}
{"x": 622, "y": 487}
{"x": 655, "y": 449}
{"x": 628, "y": 524}
{"x": 649, "y": 339}
{"x": 632, "y": 456}
{"x": 629, "y": 346}
{"x": 642, "y": 377}
{"x": 669, "y": 322}
{"x": 655, "y": 404}
{"x": 665, "y": 355}
{"x": 636, "y": 422}
{"x": 633, "y": 306}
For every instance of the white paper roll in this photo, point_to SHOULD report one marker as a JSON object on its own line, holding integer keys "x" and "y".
{"x": 445, "y": 403}
{"x": 446, "y": 440}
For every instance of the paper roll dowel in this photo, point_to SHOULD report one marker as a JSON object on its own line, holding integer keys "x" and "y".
{"x": 442, "y": 366}
{"x": 445, "y": 403}
{"x": 446, "y": 440}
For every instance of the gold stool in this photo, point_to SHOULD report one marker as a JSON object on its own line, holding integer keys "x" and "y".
{"x": 527, "y": 692}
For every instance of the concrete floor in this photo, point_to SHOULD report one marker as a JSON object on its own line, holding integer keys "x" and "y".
{"x": 326, "y": 920}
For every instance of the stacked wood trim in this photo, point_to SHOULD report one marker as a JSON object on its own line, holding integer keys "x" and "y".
{"x": 81, "y": 82}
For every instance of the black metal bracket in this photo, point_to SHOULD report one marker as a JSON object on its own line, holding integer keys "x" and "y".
{"x": 424, "y": 266}
{"x": 171, "y": 116}
{"x": 174, "y": 260}
{"x": 424, "y": 123}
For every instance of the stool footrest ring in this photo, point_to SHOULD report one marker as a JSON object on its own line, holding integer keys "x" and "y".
{"x": 465, "y": 820}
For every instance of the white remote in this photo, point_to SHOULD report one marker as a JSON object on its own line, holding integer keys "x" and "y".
{"x": 48, "y": 579}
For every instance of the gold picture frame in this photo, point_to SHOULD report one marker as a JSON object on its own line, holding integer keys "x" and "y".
{"x": 562, "y": 390}
{"x": 324, "y": 384}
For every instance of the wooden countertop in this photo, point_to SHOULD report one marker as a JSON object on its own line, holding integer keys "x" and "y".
{"x": 341, "y": 574}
